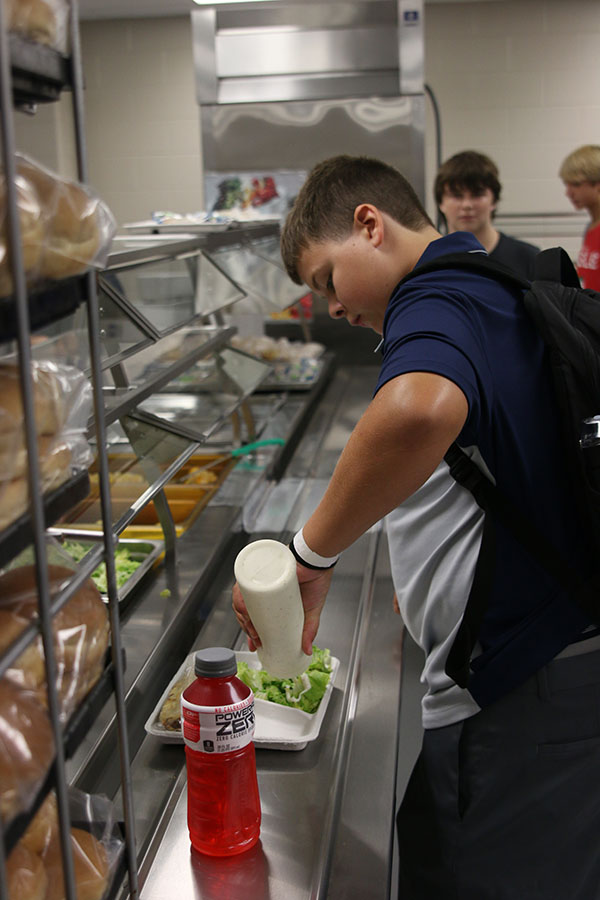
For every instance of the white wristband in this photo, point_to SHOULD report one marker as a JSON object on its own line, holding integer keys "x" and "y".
{"x": 308, "y": 557}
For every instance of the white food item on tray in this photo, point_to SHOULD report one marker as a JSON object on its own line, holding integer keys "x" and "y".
{"x": 280, "y": 349}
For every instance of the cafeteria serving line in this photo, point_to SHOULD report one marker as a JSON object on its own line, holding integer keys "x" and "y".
{"x": 327, "y": 795}
{"x": 168, "y": 396}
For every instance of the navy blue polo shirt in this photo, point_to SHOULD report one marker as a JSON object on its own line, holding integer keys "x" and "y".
{"x": 474, "y": 331}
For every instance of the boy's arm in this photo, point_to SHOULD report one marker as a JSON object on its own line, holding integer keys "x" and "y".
{"x": 394, "y": 448}
{"x": 396, "y": 445}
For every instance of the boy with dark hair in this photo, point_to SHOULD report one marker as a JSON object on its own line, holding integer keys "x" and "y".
{"x": 499, "y": 804}
{"x": 580, "y": 172}
{"x": 467, "y": 191}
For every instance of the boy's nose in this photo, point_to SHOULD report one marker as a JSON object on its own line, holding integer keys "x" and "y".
{"x": 336, "y": 311}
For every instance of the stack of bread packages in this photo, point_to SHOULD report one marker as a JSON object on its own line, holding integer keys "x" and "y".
{"x": 34, "y": 867}
{"x": 39, "y": 21}
{"x": 80, "y": 637}
{"x": 62, "y": 405}
{"x": 65, "y": 228}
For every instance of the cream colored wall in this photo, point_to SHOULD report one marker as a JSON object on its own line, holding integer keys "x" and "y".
{"x": 518, "y": 79}
{"x": 143, "y": 126}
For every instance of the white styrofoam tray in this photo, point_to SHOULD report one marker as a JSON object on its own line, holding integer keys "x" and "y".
{"x": 276, "y": 727}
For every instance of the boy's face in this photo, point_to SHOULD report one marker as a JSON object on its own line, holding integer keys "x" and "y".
{"x": 350, "y": 277}
{"x": 583, "y": 194}
{"x": 466, "y": 210}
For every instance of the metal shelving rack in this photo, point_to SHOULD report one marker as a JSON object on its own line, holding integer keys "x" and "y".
{"x": 71, "y": 69}
{"x": 28, "y": 77}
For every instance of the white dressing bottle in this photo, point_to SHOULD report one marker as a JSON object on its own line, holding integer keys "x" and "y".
{"x": 265, "y": 571}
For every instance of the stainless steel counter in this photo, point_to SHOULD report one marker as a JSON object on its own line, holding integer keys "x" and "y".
{"x": 328, "y": 809}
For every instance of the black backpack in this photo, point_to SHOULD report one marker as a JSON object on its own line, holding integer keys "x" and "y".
{"x": 568, "y": 319}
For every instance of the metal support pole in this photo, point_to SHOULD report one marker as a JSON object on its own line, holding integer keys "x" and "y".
{"x": 105, "y": 499}
{"x": 13, "y": 236}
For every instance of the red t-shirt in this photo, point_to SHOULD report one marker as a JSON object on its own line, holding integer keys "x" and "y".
{"x": 588, "y": 263}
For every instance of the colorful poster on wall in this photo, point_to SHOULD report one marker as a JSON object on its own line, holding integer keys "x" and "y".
{"x": 248, "y": 196}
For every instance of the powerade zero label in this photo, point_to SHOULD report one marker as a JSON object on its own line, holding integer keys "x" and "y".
{"x": 218, "y": 729}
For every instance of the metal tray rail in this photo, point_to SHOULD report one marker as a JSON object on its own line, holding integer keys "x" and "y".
{"x": 19, "y": 534}
{"x": 47, "y": 304}
{"x": 39, "y": 73}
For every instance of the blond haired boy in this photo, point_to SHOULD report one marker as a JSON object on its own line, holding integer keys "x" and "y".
{"x": 580, "y": 172}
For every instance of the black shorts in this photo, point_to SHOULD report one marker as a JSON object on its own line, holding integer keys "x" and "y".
{"x": 505, "y": 805}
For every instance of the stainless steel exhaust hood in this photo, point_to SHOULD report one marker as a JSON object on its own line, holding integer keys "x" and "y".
{"x": 284, "y": 85}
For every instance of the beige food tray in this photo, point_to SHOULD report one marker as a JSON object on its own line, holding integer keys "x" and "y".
{"x": 277, "y": 727}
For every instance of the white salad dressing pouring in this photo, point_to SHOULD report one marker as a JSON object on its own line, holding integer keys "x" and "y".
{"x": 265, "y": 571}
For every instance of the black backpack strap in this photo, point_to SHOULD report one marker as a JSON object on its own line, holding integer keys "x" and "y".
{"x": 466, "y": 473}
{"x": 475, "y": 262}
{"x": 555, "y": 264}
{"x": 497, "y": 505}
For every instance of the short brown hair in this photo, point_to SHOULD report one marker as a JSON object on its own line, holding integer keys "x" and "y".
{"x": 468, "y": 170}
{"x": 324, "y": 207}
{"x": 582, "y": 164}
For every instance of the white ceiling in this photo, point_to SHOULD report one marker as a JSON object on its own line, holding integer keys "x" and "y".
{"x": 127, "y": 9}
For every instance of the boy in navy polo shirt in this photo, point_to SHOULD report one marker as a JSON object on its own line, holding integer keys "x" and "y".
{"x": 489, "y": 811}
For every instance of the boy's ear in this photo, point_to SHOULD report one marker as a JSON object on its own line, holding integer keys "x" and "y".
{"x": 368, "y": 217}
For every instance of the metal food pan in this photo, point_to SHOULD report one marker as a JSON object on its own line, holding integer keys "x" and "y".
{"x": 147, "y": 551}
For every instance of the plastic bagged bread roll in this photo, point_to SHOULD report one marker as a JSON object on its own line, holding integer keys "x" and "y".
{"x": 80, "y": 628}
{"x": 26, "y": 748}
{"x": 50, "y": 413}
{"x": 72, "y": 235}
{"x": 26, "y": 875}
{"x": 43, "y": 828}
{"x": 55, "y": 468}
{"x": 49, "y": 406}
{"x": 62, "y": 402}
{"x": 91, "y": 867}
{"x": 29, "y": 670}
{"x": 74, "y": 221}
{"x": 14, "y": 494}
{"x": 53, "y": 452}
{"x": 32, "y": 232}
{"x": 32, "y": 19}
{"x": 41, "y": 21}
{"x": 65, "y": 227}
{"x": 82, "y": 632}
{"x": 14, "y": 500}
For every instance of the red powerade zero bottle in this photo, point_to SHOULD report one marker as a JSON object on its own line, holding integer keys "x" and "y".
{"x": 217, "y": 714}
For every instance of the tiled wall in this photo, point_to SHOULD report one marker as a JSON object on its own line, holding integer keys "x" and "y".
{"x": 143, "y": 123}
{"x": 518, "y": 79}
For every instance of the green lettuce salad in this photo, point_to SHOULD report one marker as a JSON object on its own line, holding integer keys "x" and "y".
{"x": 124, "y": 565}
{"x": 304, "y": 692}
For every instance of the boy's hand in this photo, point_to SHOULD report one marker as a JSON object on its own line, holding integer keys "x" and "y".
{"x": 314, "y": 585}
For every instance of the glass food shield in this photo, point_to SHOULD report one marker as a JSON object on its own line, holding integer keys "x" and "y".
{"x": 205, "y": 396}
{"x": 266, "y": 284}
